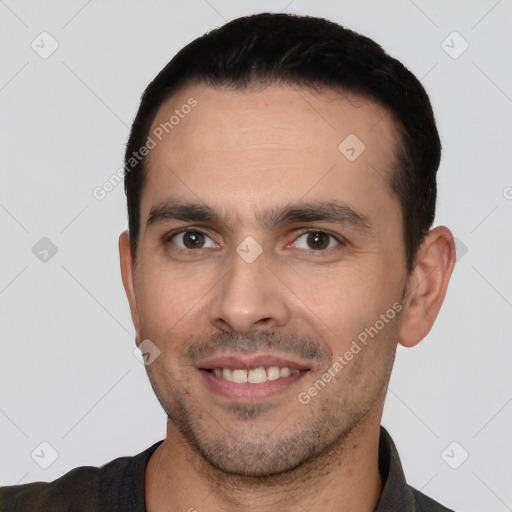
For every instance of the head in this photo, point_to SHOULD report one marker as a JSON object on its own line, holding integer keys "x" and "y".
{"x": 281, "y": 187}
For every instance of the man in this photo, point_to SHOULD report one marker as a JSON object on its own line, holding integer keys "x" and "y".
{"x": 281, "y": 187}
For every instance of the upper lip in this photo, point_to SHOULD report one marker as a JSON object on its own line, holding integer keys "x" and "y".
{"x": 248, "y": 361}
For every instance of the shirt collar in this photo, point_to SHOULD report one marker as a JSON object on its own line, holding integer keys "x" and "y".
{"x": 396, "y": 494}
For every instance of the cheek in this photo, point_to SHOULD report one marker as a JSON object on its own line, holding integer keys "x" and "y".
{"x": 168, "y": 301}
{"x": 343, "y": 301}
{"x": 357, "y": 307}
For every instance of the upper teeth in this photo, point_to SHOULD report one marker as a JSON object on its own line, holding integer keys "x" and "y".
{"x": 255, "y": 375}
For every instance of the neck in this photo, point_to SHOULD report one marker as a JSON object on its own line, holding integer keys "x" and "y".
{"x": 344, "y": 477}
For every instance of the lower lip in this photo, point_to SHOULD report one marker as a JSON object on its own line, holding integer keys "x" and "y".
{"x": 247, "y": 392}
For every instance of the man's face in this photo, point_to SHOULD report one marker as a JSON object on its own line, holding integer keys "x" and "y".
{"x": 301, "y": 251}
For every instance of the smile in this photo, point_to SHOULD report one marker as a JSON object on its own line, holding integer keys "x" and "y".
{"x": 251, "y": 378}
{"x": 254, "y": 375}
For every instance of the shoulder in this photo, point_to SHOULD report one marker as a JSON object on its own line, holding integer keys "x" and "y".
{"x": 396, "y": 493}
{"x": 78, "y": 489}
{"x": 425, "y": 504}
{"x": 118, "y": 485}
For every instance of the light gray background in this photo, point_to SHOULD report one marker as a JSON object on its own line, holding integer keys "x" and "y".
{"x": 68, "y": 373}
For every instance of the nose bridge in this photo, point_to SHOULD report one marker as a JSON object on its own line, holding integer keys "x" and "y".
{"x": 248, "y": 294}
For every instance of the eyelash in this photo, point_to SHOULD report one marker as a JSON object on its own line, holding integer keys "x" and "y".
{"x": 341, "y": 241}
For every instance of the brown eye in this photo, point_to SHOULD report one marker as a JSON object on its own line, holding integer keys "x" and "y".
{"x": 192, "y": 240}
{"x": 316, "y": 241}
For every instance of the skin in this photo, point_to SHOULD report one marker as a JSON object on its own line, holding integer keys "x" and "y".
{"x": 244, "y": 153}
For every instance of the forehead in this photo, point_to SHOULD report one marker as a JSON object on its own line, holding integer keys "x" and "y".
{"x": 264, "y": 146}
{"x": 225, "y": 116}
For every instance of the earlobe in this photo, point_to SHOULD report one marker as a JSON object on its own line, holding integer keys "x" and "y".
{"x": 128, "y": 276}
{"x": 427, "y": 285}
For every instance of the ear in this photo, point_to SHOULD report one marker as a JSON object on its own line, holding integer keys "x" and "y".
{"x": 427, "y": 284}
{"x": 128, "y": 275}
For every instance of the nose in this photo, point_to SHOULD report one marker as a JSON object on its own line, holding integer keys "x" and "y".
{"x": 249, "y": 298}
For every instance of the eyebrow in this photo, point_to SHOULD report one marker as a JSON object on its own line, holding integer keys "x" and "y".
{"x": 315, "y": 211}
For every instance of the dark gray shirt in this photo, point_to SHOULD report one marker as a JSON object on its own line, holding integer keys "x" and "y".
{"x": 119, "y": 487}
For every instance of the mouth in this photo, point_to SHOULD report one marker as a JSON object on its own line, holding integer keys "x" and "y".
{"x": 254, "y": 375}
{"x": 245, "y": 378}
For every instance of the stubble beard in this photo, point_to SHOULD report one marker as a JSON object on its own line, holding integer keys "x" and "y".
{"x": 267, "y": 439}
{"x": 231, "y": 444}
